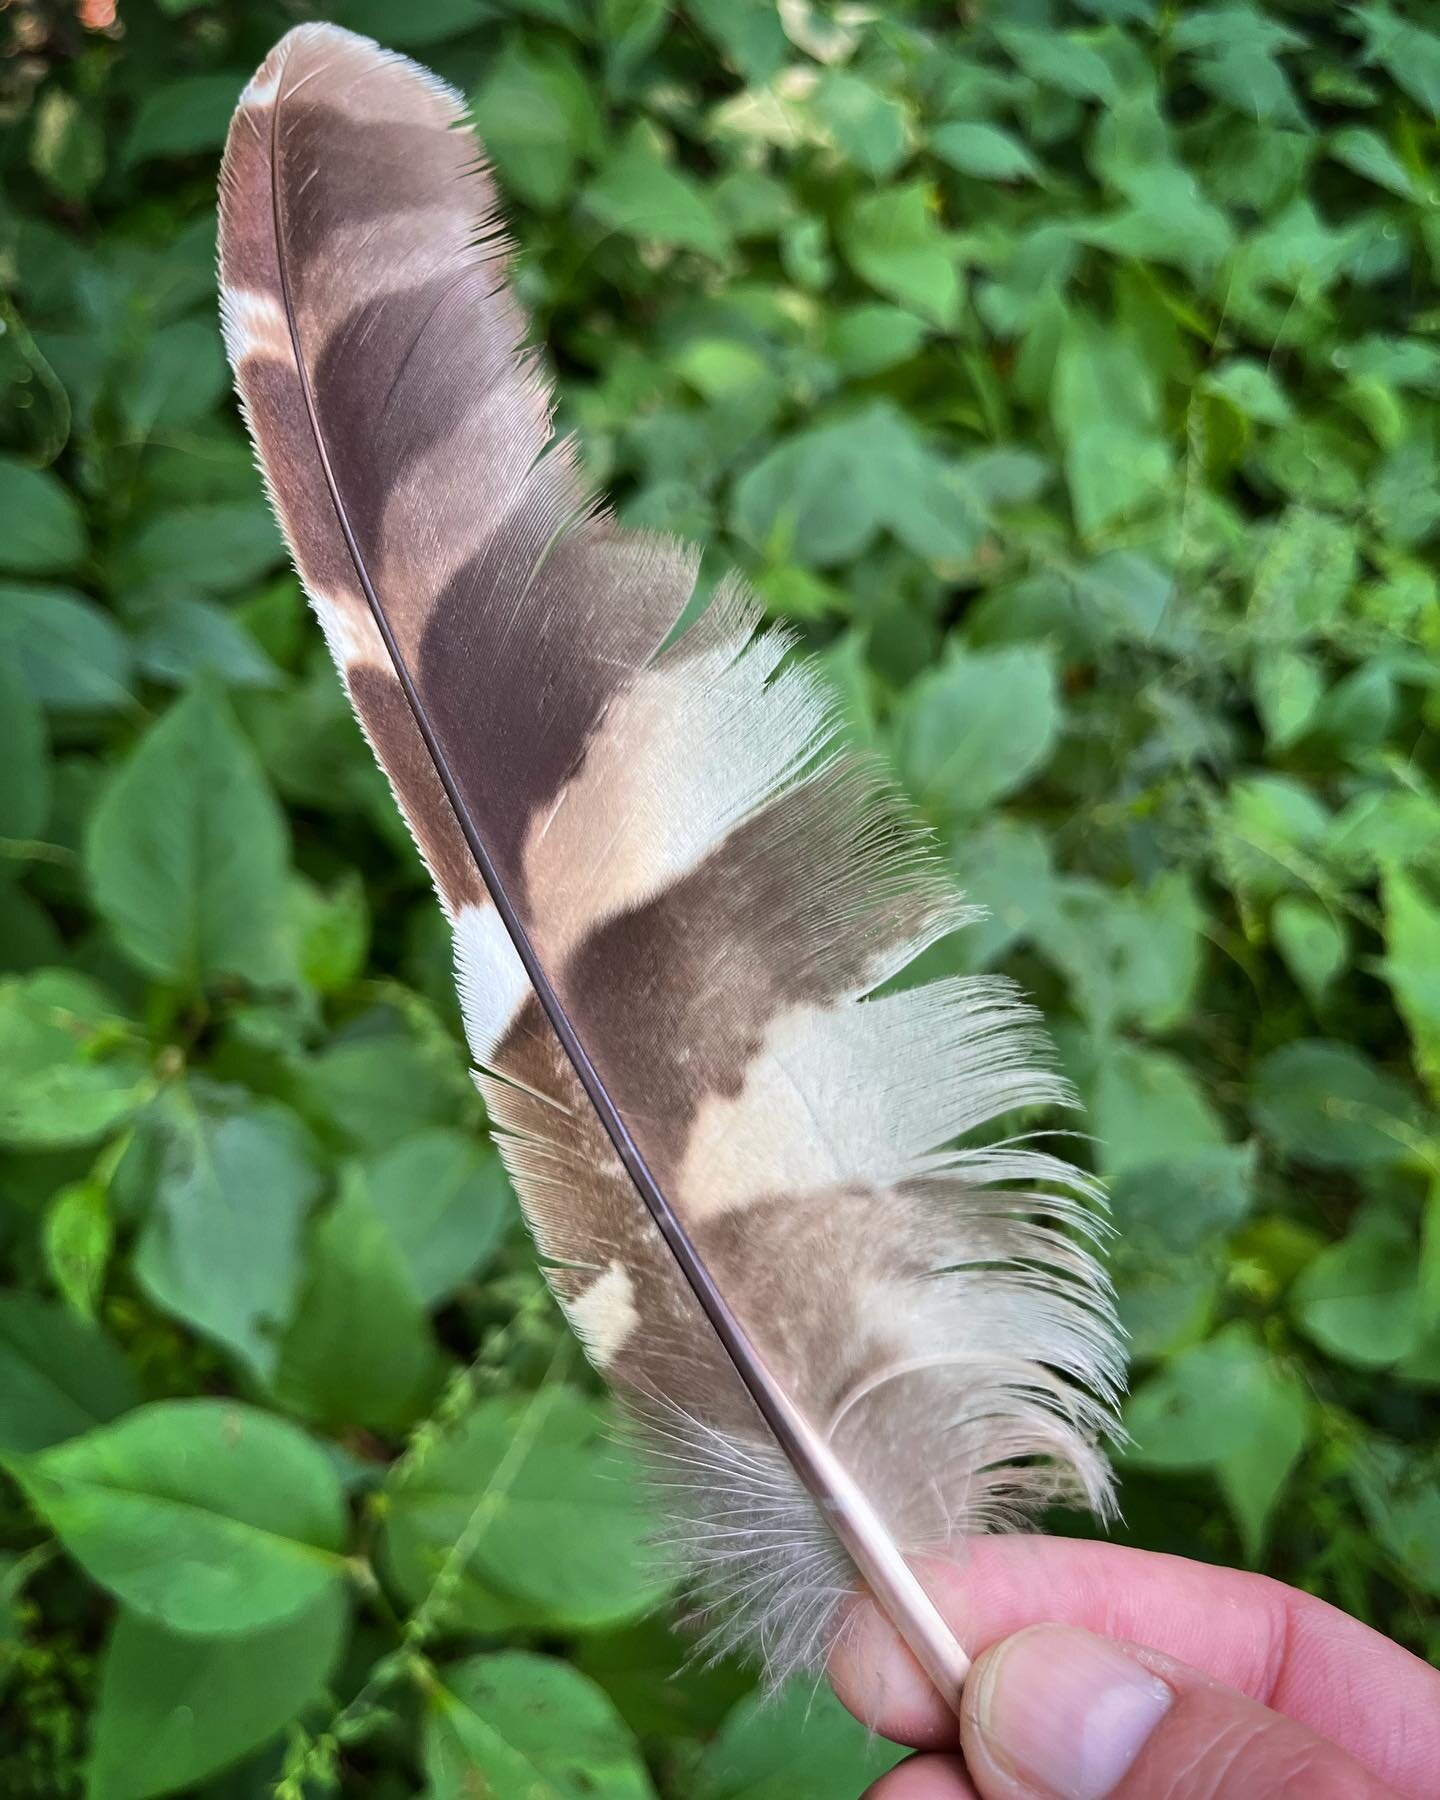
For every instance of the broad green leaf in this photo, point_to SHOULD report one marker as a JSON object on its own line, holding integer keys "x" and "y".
{"x": 1064, "y": 60}
{"x": 1412, "y": 966}
{"x": 867, "y": 124}
{"x": 536, "y": 1509}
{"x": 1410, "y": 54}
{"x": 222, "y": 1242}
{"x": 332, "y": 931}
{"x": 69, "y": 1071}
{"x": 174, "y": 1709}
{"x": 24, "y": 760}
{"x": 1313, "y": 943}
{"x": 1367, "y": 153}
{"x": 67, "y": 146}
{"x": 801, "y": 1746}
{"x": 1268, "y": 835}
{"x": 70, "y": 654}
{"x": 749, "y": 32}
{"x": 422, "y": 22}
{"x": 375, "y": 1090}
{"x": 1106, "y": 411}
{"x": 979, "y": 726}
{"x": 446, "y": 1201}
{"x": 894, "y": 241}
{"x": 1326, "y": 1103}
{"x": 637, "y": 193}
{"x": 214, "y": 548}
{"x": 865, "y": 339}
{"x": 184, "y": 639}
{"x": 1127, "y": 954}
{"x": 177, "y": 380}
{"x": 59, "y": 1377}
{"x": 1252, "y": 388}
{"x": 78, "y": 1237}
{"x": 381, "y": 1377}
{"x": 1307, "y": 571}
{"x": 200, "y": 1515}
{"x": 659, "y": 1693}
{"x": 187, "y": 853}
{"x": 985, "y": 151}
{"x": 524, "y": 1724}
{"x": 1400, "y": 1495}
{"x": 1005, "y": 867}
{"x": 181, "y": 118}
{"x": 537, "y": 116}
{"x": 1289, "y": 687}
{"x": 822, "y": 496}
{"x": 1185, "y": 1201}
{"x": 41, "y": 529}
{"x": 1359, "y": 1300}
{"x": 1145, "y": 1106}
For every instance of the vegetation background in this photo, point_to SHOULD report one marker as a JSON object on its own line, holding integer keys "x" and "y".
{"x": 1068, "y": 376}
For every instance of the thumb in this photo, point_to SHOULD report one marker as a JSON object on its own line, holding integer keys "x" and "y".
{"x": 1055, "y": 1713}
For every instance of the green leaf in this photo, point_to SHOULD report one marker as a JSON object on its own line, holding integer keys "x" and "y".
{"x": 867, "y": 124}
{"x": 332, "y": 931}
{"x": 184, "y": 639}
{"x": 446, "y": 1202}
{"x": 1412, "y": 967}
{"x": 1251, "y": 388}
{"x": 1131, "y": 955}
{"x": 979, "y": 726}
{"x": 1288, "y": 689}
{"x": 221, "y": 1247}
{"x": 422, "y": 22}
{"x": 1313, "y": 943}
{"x": 1268, "y": 834}
{"x": 382, "y": 1377}
{"x": 70, "y": 654}
{"x": 865, "y": 339}
{"x": 1305, "y": 575}
{"x": 1326, "y": 1103}
{"x": 68, "y": 1071}
{"x": 24, "y": 760}
{"x": 644, "y": 197}
{"x": 181, "y": 118}
{"x": 215, "y": 548}
{"x": 78, "y": 1237}
{"x": 174, "y": 1709}
{"x": 1408, "y": 53}
{"x": 1106, "y": 412}
{"x": 200, "y": 1515}
{"x": 894, "y": 241}
{"x": 1360, "y": 1299}
{"x": 187, "y": 853}
{"x": 376, "y": 1090}
{"x": 67, "y": 148}
{"x": 543, "y": 1505}
{"x": 538, "y": 118}
{"x": 524, "y": 1724}
{"x": 41, "y": 529}
{"x": 985, "y": 151}
{"x": 1367, "y": 153}
{"x": 801, "y": 1746}
{"x": 1146, "y": 1106}
{"x": 1063, "y": 60}
{"x": 749, "y": 32}
{"x": 822, "y": 496}
{"x": 59, "y": 1377}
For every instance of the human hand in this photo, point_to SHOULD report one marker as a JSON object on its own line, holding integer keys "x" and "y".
{"x": 1243, "y": 1690}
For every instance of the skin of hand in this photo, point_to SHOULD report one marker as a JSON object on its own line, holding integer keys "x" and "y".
{"x": 1103, "y": 1673}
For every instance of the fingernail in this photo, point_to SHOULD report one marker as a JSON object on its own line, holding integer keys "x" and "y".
{"x": 1066, "y": 1712}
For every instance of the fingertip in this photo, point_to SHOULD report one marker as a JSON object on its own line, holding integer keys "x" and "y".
{"x": 878, "y": 1679}
{"x": 925, "y": 1778}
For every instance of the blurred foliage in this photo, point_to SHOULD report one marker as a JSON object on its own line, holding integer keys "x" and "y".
{"x": 1068, "y": 375}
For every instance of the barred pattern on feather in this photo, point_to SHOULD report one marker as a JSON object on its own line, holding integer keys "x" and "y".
{"x": 712, "y": 884}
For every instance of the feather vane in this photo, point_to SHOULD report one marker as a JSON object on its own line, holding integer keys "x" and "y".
{"x": 674, "y": 895}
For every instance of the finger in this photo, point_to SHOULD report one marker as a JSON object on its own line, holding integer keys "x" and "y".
{"x": 1059, "y": 1714}
{"x": 925, "y": 1778}
{"x": 1287, "y": 1650}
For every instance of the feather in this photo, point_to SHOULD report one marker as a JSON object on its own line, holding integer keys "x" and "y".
{"x": 847, "y": 1329}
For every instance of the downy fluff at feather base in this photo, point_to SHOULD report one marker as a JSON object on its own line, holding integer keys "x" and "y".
{"x": 712, "y": 883}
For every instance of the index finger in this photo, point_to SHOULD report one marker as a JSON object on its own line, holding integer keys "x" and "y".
{"x": 1286, "y": 1649}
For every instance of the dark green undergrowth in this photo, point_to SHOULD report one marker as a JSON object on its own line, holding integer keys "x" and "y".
{"x": 1068, "y": 377}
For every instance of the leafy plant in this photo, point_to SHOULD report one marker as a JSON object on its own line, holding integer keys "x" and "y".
{"x": 1066, "y": 378}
